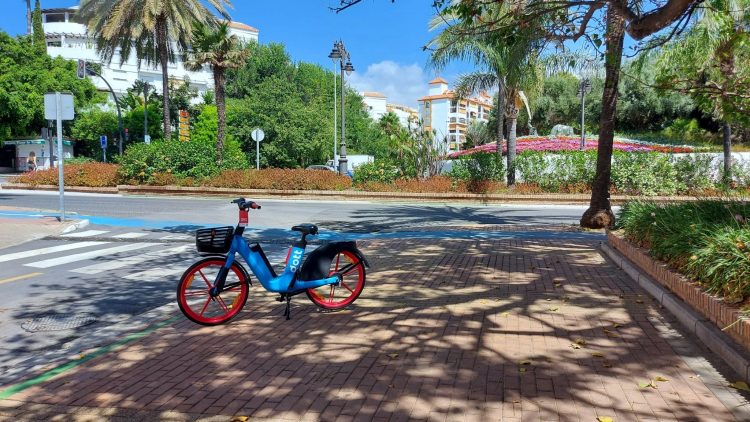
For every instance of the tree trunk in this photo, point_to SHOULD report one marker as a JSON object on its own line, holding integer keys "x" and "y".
{"x": 221, "y": 113}
{"x": 500, "y": 116}
{"x": 162, "y": 41}
{"x": 599, "y": 214}
{"x": 28, "y": 17}
{"x": 727, "y": 138}
{"x": 511, "y": 114}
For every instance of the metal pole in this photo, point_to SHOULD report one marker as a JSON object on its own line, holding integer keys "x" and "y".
{"x": 342, "y": 159}
{"x": 335, "y": 123}
{"x": 145, "y": 111}
{"x": 61, "y": 179}
{"x": 257, "y": 154}
{"x": 583, "y": 112}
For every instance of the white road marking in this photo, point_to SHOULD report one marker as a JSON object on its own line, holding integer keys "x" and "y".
{"x": 131, "y": 235}
{"x": 175, "y": 237}
{"x": 48, "y": 250}
{"x": 87, "y": 255}
{"x": 87, "y": 233}
{"x": 169, "y": 273}
{"x": 131, "y": 260}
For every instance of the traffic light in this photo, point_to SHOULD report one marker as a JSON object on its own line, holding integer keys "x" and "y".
{"x": 81, "y": 69}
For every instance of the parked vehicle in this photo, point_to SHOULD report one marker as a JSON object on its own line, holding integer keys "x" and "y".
{"x": 352, "y": 161}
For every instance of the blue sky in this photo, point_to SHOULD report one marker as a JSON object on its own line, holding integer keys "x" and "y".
{"x": 384, "y": 39}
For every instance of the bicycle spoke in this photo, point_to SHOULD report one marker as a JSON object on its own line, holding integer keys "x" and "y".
{"x": 338, "y": 258}
{"x": 205, "y": 279}
{"x": 196, "y": 293}
{"x": 221, "y": 303}
{"x": 347, "y": 287}
{"x": 205, "y": 306}
{"x": 333, "y": 289}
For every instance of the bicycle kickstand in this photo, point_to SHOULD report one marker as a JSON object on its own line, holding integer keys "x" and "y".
{"x": 288, "y": 310}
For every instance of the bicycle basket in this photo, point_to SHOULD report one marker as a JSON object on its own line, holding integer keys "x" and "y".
{"x": 215, "y": 240}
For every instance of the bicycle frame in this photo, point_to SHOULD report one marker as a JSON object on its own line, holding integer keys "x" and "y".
{"x": 255, "y": 257}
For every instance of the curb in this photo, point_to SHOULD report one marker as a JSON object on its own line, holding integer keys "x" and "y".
{"x": 75, "y": 226}
{"x": 353, "y": 195}
{"x": 701, "y": 327}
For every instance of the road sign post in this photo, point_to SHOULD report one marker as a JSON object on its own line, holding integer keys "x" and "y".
{"x": 103, "y": 140}
{"x": 59, "y": 107}
{"x": 257, "y": 135}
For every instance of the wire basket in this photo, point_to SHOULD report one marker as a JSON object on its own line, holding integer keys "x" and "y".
{"x": 216, "y": 240}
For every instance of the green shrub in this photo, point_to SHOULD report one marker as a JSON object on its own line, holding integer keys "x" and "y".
{"x": 479, "y": 166}
{"x": 708, "y": 241}
{"x": 380, "y": 172}
{"x": 644, "y": 173}
{"x": 694, "y": 172}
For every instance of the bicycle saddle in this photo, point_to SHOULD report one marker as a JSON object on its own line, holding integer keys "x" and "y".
{"x": 306, "y": 229}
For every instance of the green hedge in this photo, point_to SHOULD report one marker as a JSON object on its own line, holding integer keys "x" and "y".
{"x": 708, "y": 241}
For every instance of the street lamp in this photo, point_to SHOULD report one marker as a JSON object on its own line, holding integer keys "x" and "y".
{"x": 335, "y": 55}
{"x": 583, "y": 89}
{"x": 339, "y": 53}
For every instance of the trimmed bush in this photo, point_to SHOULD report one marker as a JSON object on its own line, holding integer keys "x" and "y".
{"x": 88, "y": 174}
{"x": 286, "y": 179}
{"x": 707, "y": 241}
{"x": 379, "y": 172}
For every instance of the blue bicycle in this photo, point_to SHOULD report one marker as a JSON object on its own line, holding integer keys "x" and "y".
{"x": 215, "y": 289}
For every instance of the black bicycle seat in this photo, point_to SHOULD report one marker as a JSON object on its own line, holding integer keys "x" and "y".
{"x": 306, "y": 229}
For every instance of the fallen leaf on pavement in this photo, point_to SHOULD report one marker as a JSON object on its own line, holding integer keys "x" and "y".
{"x": 525, "y": 362}
{"x": 580, "y": 342}
{"x": 240, "y": 419}
{"x": 604, "y": 419}
{"x": 617, "y": 325}
{"x": 504, "y": 313}
{"x": 740, "y": 385}
{"x": 597, "y": 354}
{"x": 660, "y": 378}
{"x": 553, "y": 308}
{"x": 575, "y": 346}
{"x": 521, "y": 369}
{"x": 651, "y": 384}
{"x": 638, "y": 301}
{"x": 393, "y": 355}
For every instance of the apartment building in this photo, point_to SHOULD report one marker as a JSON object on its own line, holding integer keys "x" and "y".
{"x": 448, "y": 117}
{"x": 67, "y": 37}
{"x": 377, "y": 105}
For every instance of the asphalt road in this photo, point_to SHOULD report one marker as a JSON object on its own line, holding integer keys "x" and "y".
{"x": 358, "y": 216}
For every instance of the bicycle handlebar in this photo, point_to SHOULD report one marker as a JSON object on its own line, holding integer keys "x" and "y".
{"x": 244, "y": 204}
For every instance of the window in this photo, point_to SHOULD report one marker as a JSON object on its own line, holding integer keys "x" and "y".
{"x": 54, "y": 43}
{"x": 55, "y": 17}
{"x": 462, "y": 120}
{"x": 453, "y": 120}
{"x": 453, "y": 106}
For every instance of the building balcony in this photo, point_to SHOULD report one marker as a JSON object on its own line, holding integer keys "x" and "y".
{"x": 64, "y": 28}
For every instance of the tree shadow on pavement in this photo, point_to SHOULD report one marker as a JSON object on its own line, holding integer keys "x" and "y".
{"x": 445, "y": 330}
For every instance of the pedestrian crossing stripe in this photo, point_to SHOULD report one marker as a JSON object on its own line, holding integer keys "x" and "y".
{"x": 132, "y": 235}
{"x": 87, "y": 255}
{"x": 48, "y": 250}
{"x": 131, "y": 260}
{"x": 156, "y": 274}
{"x": 87, "y": 233}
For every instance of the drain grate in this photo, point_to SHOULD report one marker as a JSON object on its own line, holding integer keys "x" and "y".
{"x": 57, "y": 322}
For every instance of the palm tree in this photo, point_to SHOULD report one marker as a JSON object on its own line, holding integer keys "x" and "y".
{"x": 510, "y": 66}
{"x": 156, "y": 29}
{"x": 214, "y": 46}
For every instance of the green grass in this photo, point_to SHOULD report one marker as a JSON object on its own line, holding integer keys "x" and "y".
{"x": 707, "y": 241}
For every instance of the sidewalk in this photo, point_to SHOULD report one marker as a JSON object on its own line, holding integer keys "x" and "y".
{"x": 25, "y": 227}
{"x": 477, "y": 330}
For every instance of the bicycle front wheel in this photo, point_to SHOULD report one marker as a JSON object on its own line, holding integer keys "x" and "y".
{"x": 194, "y": 298}
{"x": 353, "y": 281}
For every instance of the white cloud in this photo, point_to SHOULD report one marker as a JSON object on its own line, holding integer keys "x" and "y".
{"x": 402, "y": 84}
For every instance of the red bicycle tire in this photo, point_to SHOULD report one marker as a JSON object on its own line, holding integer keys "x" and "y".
{"x": 236, "y": 290}
{"x": 324, "y": 297}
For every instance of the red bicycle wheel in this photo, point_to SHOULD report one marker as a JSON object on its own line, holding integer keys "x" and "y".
{"x": 338, "y": 297}
{"x": 196, "y": 302}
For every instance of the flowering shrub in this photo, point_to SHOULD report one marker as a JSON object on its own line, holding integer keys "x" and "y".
{"x": 286, "y": 179}
{"x": 708, "y": 241}
{"x": 569, "y": 143}
{"x": 376, "y": 172}
{"x": 88, "y": 174}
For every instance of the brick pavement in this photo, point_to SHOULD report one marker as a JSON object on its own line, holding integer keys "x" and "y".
{"x": 446, "y": 330}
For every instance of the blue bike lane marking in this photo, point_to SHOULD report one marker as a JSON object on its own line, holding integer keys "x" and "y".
{"x": 265, "y": 233}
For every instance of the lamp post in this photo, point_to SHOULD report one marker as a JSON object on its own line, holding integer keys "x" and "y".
{"x": 146, "y": 138}
{"x": 583, "y": 89}
{"x": 335, "y": 56}
{"x": 345, "y": 64}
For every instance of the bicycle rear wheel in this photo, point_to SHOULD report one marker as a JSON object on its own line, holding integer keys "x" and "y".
{"x": 338, "y": 297}
{"x": 196, "y": 302}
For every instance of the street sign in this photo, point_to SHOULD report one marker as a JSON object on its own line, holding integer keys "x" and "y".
{"x": 50, "y": 106}
{"x": 103, "y": 140}
{"x": 81, "y": 72}
{"x": 258, "y": 134}
{"x": 147, "y": 139}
